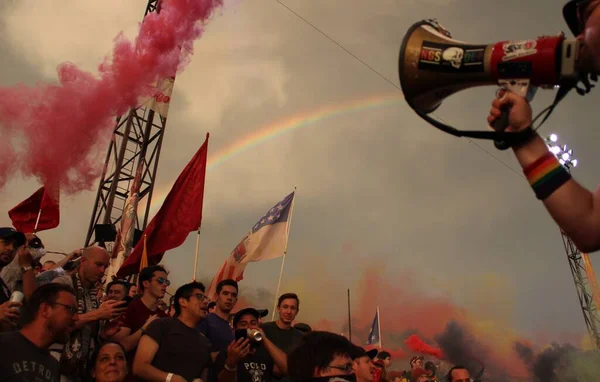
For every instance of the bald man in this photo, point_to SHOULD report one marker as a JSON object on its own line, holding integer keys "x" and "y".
{"x": 75, "y": 354}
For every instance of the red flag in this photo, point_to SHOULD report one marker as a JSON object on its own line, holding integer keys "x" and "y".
{"x": 180, "y": 214}
{"x": 45, "y": 203}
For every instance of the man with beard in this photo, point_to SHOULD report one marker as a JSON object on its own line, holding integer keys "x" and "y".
{"x": 246, "y": 360}
{"x": 216, "y": 326}
{"x": 172, "y": 349}
{"x": 363, "y": 364}
{"x": 573, "y": 207}
{"x": 75, "y": 354}
{"x": 49, "y": 316}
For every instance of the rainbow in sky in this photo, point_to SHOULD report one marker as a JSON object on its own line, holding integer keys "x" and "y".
{"x": 289, "y": 124}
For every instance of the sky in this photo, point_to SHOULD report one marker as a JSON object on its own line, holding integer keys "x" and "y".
{"x": 378, "y": 189}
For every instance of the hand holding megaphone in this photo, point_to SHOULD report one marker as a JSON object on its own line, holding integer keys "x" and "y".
{"x": 510, "y": 112}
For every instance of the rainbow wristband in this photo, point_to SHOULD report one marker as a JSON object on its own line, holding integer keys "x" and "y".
{"x": 546, "y": 175}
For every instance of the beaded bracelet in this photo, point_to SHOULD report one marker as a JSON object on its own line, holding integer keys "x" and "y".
{"x": 546, "y": 175}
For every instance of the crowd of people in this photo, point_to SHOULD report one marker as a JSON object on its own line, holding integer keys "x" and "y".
{"x": 58, "y": 322}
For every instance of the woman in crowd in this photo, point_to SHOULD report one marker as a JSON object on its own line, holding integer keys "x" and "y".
{"x": 110, "y": 363}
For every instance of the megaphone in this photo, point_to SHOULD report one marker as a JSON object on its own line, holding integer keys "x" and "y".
{"x": 432, "y": 66}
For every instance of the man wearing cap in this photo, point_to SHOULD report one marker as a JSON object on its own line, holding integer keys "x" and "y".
{"x": 247, "y": 359}
{"x": 573, "y": 207}
{"x": 11, "y": 242}
{"x": 416, "y": 362}
{"x": 363, "y": 365}
{"x": 20, "y": 275}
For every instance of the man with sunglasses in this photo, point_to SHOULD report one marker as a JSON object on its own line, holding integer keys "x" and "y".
{"x": 48, "y": 317}
{"x": 574, "y": 208}
{"x": 153, "y": 282}
{"x": 172, "y": 349}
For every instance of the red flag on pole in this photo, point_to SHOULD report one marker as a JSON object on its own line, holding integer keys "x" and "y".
{"x": 180, "y": 214}
{"x": 43, "y": 203}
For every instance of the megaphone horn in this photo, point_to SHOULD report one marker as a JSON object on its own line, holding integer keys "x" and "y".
{"x": 432, "y": 66}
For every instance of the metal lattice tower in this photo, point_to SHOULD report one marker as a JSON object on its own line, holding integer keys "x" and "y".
{"x": 584, "y": 292}
{"x": 576, "y": 262}
{"x": 135, "y": 145}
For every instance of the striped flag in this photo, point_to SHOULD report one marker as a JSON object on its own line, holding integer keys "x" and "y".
{"x": 266, "y": 240}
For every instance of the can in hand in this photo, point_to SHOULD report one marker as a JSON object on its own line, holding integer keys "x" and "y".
{"x": 16, "y": 296}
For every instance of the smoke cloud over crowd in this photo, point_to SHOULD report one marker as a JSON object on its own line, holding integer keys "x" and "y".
{"x": 53, "y": 130}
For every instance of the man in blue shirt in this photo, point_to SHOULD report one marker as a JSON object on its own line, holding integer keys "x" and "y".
{"x": 216, "y": 325}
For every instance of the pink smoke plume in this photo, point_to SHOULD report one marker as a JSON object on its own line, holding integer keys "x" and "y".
{"x": 417, "y": 345}
{"x": 52, "y": 130}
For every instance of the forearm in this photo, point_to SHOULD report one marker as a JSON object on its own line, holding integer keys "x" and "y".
{"x": 29, "y": 284}
{"x": 571, "y": 205}
{"x": 147, "y": 372}
{"x": 131, "y": 341}
{"x": 86, "y": 318}
{"x": 279, "y": 357}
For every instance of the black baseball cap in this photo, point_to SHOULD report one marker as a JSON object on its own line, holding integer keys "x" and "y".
{"x": 258, "y": 313}
{"x": 570, "y": 15}
{"x": 9, "y": 233}
{"x": 359, "y": 352}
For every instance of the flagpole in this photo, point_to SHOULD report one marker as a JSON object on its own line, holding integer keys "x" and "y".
{"x": 349, "y": 318}
{"x": 379, "y": 329}
{"x": 37, "y": 221}
{"x": 196, "y": 257}
{"x": 284, "y": 253}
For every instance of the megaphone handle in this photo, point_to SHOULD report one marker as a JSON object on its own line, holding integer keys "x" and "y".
{"x": 501, "y": 124}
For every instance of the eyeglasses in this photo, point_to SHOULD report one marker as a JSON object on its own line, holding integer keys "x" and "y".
{"x": 162, "y": 280}
{"x": 201, "y": 297}
{"x": 345, "y": 368}
{"x": 69, "y": 308}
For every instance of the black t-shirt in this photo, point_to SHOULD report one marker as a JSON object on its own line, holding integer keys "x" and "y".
{"x": 284, "y": 339}
{"x": 257, "y": 367}
{"x": 182, "y": 350}
{"x": 22, "y": 360}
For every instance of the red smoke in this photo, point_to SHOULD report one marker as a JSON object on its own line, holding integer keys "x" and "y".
{"x": 401, "y": 306}
{"x": 417, "y": 345}
{"x": 53, "y": 129}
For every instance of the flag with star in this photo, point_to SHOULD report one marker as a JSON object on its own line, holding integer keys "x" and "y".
{"x": 266, "y": 240}
{"x": 374, "y": 332}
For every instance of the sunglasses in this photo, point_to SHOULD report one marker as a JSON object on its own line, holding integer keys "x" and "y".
{"x": 162, "y": 280}
{"x": 346, "y": 368}
{"x": 69, "y": 308}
